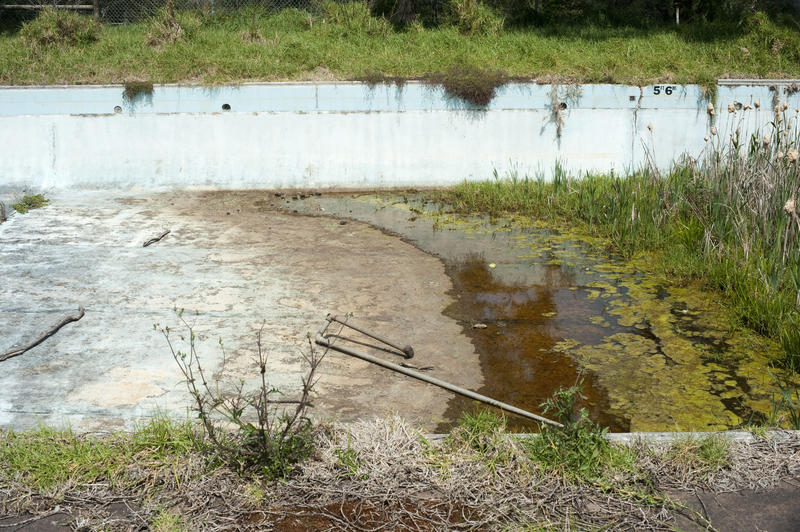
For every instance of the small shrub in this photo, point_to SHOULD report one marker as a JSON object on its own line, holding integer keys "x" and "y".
{"x": 29, "y": 202}
{"x": 579, "y": 448}
{"x": 59, "y": 28}
{"x": 473, "y": 17}
{"x": 470, "y": 84}
{"x": 270, "y": 435}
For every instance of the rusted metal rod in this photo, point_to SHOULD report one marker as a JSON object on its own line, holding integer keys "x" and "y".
{"x": 321, "y": 340}
{"x": 407, "y": 351}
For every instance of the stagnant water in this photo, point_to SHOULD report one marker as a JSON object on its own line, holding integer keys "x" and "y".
{"x": 556, "y": 308}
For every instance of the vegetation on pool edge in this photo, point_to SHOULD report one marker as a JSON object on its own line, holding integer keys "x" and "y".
{"x": 348, "y": 42}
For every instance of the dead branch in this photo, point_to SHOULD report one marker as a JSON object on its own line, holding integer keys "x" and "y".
{"x": 43, "y": 337}
{"x": 156, "y": 239}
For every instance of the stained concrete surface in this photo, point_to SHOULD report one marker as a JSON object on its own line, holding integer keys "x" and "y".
{"x": 238, "y": 263}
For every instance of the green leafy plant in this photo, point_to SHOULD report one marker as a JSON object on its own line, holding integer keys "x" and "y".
{"x": 270, "y": 434}
{"x": 578, "y": 448}
{"x": 29, "y": 202}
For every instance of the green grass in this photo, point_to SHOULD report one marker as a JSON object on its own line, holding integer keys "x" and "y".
{"x": 47, "y": 458}
{"x": 29, "y": 202}
{"x": 346, "y": 43}
{"x": 706, "y": 454}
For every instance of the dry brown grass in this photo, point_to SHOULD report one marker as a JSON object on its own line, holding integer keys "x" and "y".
{"x": 384, "y": 475}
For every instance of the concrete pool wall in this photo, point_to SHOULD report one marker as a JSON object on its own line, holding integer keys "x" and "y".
{"x": 350, "y": 134}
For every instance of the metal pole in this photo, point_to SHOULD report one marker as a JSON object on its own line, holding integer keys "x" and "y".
{"x": 407, "y": 351}
{"x": 321, "y": 340}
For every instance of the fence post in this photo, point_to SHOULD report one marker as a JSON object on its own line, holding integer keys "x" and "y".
{"x": 96, "y": 9}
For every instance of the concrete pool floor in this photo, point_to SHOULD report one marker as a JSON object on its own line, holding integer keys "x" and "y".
{"x": 238, "y": 262}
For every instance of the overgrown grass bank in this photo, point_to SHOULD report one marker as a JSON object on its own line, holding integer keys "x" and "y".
{"x": 729, "y": 221}
{"x": 347, "y": 42}
{"x": 384, "y": 472}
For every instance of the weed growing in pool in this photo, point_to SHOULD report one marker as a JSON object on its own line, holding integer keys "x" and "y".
{"x": 579, "y": 448}
{"x": 60, "y": 29}
{"x": 270, "y": 434}
{"x": 29, "y": 202}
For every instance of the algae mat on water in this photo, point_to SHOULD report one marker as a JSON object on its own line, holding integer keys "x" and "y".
{"x": 552, "y": 305}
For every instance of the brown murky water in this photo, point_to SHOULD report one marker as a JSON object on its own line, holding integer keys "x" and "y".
{"x": 552, "y": 307}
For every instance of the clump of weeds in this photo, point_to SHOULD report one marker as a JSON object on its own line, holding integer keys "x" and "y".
{"x": 483, "y": 433}
{"x": 169, "y": 25}
{"x": 59, "y": 28}
{"x": 373, "y": 78}
{"x": 579, "y": 447}
{"x": 700, "y": 456}
{"x": 473, "y": 17}
{"x": 28, "y": 202}
{"x": 271, "y": 434}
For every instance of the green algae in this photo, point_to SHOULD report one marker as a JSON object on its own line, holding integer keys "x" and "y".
{"x": 657, "y": 357}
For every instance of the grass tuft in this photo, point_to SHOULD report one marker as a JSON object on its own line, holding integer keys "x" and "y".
{"x": 706, "y": 454}
{"x": 59, "y": 29}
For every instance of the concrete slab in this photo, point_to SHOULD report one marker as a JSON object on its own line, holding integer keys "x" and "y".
{"x": 237, "y": 262}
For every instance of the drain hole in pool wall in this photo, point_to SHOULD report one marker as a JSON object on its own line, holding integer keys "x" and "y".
{"x": 117, "y": 109}
{"x": 562, "y": 105}
{"x": 226, "y": 107}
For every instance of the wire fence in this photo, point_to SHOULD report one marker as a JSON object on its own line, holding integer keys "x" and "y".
{"x": 124, "y": 11}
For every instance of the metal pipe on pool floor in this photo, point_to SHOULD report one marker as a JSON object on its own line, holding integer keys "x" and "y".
{"x": 324, "y": 342}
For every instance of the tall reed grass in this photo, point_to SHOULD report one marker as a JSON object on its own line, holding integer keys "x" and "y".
{"x": 727, "y": 218}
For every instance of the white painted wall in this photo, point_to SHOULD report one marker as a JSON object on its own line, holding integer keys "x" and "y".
{"x": 317, "y": 135}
